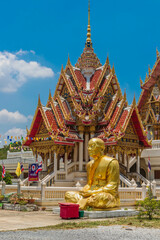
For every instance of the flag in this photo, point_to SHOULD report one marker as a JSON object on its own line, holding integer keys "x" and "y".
{"x": 22, "y": 168}
{"x": 3, "y": 172}
{"x": 18, "y": 170}
{"x": 149, "y": 165}
{"x": 39, "y": 168}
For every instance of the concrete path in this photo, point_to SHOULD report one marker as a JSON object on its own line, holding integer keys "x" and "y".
{"x": 13, "y": 220}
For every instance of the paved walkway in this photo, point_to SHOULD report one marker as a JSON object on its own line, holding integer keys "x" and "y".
{"x": 13, "y": 220}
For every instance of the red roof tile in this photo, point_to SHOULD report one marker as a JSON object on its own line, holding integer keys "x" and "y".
{"x": 94, "y": 78}
{"x": 81, "y": 78}
{"x": 51, "y": 120}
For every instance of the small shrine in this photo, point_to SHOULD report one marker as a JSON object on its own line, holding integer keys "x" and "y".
{"x": 87, "y": 103}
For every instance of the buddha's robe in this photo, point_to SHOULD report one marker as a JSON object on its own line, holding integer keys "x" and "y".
{"x": 103, "y": 178}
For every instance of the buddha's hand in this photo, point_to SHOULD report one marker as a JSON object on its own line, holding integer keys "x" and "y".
{"x": 86, "y": 193}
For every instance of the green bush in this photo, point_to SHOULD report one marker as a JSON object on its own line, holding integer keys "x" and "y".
{"x": 7, "y": 178}
{"x": 149, "y": 206}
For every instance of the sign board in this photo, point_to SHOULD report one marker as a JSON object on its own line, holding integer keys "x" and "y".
{"x": 32, "y": 175}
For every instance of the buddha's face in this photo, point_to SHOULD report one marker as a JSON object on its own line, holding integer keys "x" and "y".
{"x": 95, "y": 147}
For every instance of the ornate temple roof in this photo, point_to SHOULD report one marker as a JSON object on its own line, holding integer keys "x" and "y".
{"x": 87, "y": 96}
{"x": 151, "y": 79}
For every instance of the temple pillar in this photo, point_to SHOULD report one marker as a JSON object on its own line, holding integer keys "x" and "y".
{"x": 65, "y": 161}
{"x": 92, "y": 131}
{"x": 138, "y": 166}
{"x": 75, "y": 153}
{"x": 50, "y": 157}
{"x": 45, "y": 162}
{"x": 81, "y": 153}
{"x": 125, "y": 159}
{"x": 86, "y": 146}
{"x": 55, "y": 165}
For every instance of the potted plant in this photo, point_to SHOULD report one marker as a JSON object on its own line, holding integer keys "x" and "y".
{"x": 31, "y": 200}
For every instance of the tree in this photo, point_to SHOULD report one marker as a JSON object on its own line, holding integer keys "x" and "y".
{"x": 7, "y": 178}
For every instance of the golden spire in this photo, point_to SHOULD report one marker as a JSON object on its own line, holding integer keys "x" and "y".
{"x": 88, "y": 41}
{"x": 39, "y": 101}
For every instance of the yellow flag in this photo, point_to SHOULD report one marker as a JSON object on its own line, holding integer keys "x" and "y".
{"x": 18, "y": 170}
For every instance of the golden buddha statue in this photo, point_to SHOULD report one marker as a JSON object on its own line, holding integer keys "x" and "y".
{"x": 101, "y": 191}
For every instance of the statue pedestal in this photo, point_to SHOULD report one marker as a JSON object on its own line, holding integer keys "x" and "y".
{"x": 105, "y": 214}
{"x": 110, "y": 214}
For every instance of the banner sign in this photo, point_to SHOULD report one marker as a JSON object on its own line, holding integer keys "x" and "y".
{"x": 32, "y": 175}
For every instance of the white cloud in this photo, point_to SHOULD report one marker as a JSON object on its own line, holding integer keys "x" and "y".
{"x": 22, "y": 52}
{"x": 16, "y": 132}
{"x": 14, "y": 72}
{"x": 13, "y": 117}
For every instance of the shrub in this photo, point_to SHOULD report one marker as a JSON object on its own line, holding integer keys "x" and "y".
{"x": 149, "y": 206}
{"x": 15, "y": 198}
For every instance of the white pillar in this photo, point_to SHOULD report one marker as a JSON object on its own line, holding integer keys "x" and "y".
{"x": 81, "y": 153}
{"x": 138, "y": 166}
{"x": 86, "y": 146}
{"x": 55, "y": 165}
{"x": 50, "y": 157}
{"x": 154, "y": 188}
{"x": 65, "y": 161}
{"x": 143, "y": 191}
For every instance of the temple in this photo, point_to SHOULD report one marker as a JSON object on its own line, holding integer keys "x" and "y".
{"x": 149, "y": 109}
{"x": 87, "y": 103}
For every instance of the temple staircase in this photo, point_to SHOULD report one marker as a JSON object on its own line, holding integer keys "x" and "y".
{"x": 138, "y": 176}
{"x": 124, "y": 181}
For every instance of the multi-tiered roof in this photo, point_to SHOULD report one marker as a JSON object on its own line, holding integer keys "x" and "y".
{"x": 87, "y": 96}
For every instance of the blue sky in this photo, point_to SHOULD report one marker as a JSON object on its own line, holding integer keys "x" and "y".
{"x": 37, "y": 36}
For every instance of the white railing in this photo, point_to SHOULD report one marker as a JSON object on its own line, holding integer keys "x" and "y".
{"x": 47, "y": 178}
{"x": 124, "y": 181}
{"x": 155, "y": 144}
{"x": 53, "y": 194}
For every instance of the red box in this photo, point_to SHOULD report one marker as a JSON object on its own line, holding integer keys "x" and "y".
{"x": 69, "y": 210}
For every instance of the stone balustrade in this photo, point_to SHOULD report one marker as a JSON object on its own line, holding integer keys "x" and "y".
{"x": 54, "y": 194}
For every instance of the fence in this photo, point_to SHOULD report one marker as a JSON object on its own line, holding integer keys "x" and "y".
{"x": 53, "y": 194}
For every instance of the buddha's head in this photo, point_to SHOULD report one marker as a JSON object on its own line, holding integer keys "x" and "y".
{"x": 96, "y": 147}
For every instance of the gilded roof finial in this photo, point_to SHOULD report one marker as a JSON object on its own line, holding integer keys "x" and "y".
{"x": 88, "y": 41}
{"x": 149, "y": 70}
{"x": 107, "y": 60}
{"x": 27, "y": 131}
{"x": 113, "y": 70}
{"x": 50, "y": 96}
{"x": 134, "y": 101}
{"x": 39, "y": 101}
{"x": 68, "y": 61}
{"x": 141, "y": 82}
{"x": 157, "y": 52}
